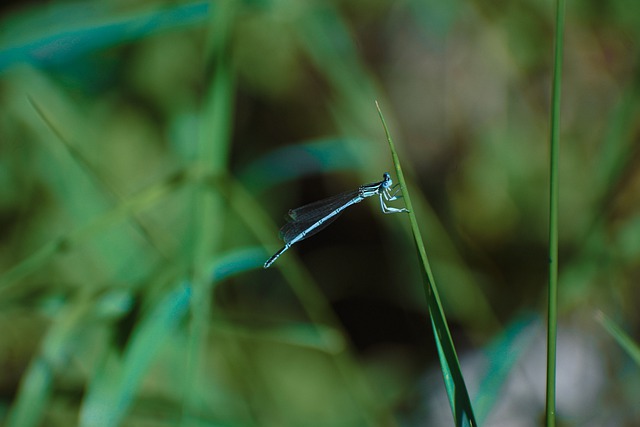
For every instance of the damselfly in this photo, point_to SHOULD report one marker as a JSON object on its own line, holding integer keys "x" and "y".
{"x": 307, "y": 220}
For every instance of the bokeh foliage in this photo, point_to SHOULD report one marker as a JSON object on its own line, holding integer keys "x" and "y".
{"x": 148, "y": 151}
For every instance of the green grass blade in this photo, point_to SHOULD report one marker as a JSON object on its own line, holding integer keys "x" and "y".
{"x": 103, "y": 186}
{"x": 208, "y": 208}
{"x": 113, "y": 391}
{"x": 502, "y": 356}
{"x": 552, "y": 317}
{"x": 10, "y": 279}
{"x": 621, "y": 337}
{"x": 89, "y": 30}
{"x": 34, "y": 394}
{"x": 35, "y": 390}
{"x": 453, "y": 379}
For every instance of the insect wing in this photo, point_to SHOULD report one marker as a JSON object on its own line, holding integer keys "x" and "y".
{"x": 293, "y": 229}
{"x": 316, "y": 210}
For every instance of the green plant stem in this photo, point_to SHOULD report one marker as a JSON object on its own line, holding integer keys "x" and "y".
{"x": 552, "y": 314}
{"x": 454, "y": 382}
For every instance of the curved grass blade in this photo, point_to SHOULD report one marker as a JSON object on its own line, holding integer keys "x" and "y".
{"x": 238, "y": 261}
{"x": 454, "y": 382}
{"x": 88, "y": 30}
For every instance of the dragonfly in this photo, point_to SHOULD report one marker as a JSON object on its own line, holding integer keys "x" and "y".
{"x": 308, "y": 220}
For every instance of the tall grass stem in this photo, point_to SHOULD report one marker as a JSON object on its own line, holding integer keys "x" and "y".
{"x": 552, "y": 309}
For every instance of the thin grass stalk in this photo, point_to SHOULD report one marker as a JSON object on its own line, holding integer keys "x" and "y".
{"x": 552, "y": 309}
{"x": 207, "y": 208}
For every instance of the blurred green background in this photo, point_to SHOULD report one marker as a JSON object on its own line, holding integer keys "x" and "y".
{"x": 150, "y": 150}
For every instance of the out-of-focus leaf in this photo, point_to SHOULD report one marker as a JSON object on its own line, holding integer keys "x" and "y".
{"x": 622, "y": 338}
{"x": 111, "y": 393}
{"x": 56, "y": 44}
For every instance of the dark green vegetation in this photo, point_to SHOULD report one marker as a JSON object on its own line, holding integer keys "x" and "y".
{"x": 149, "y": 151}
